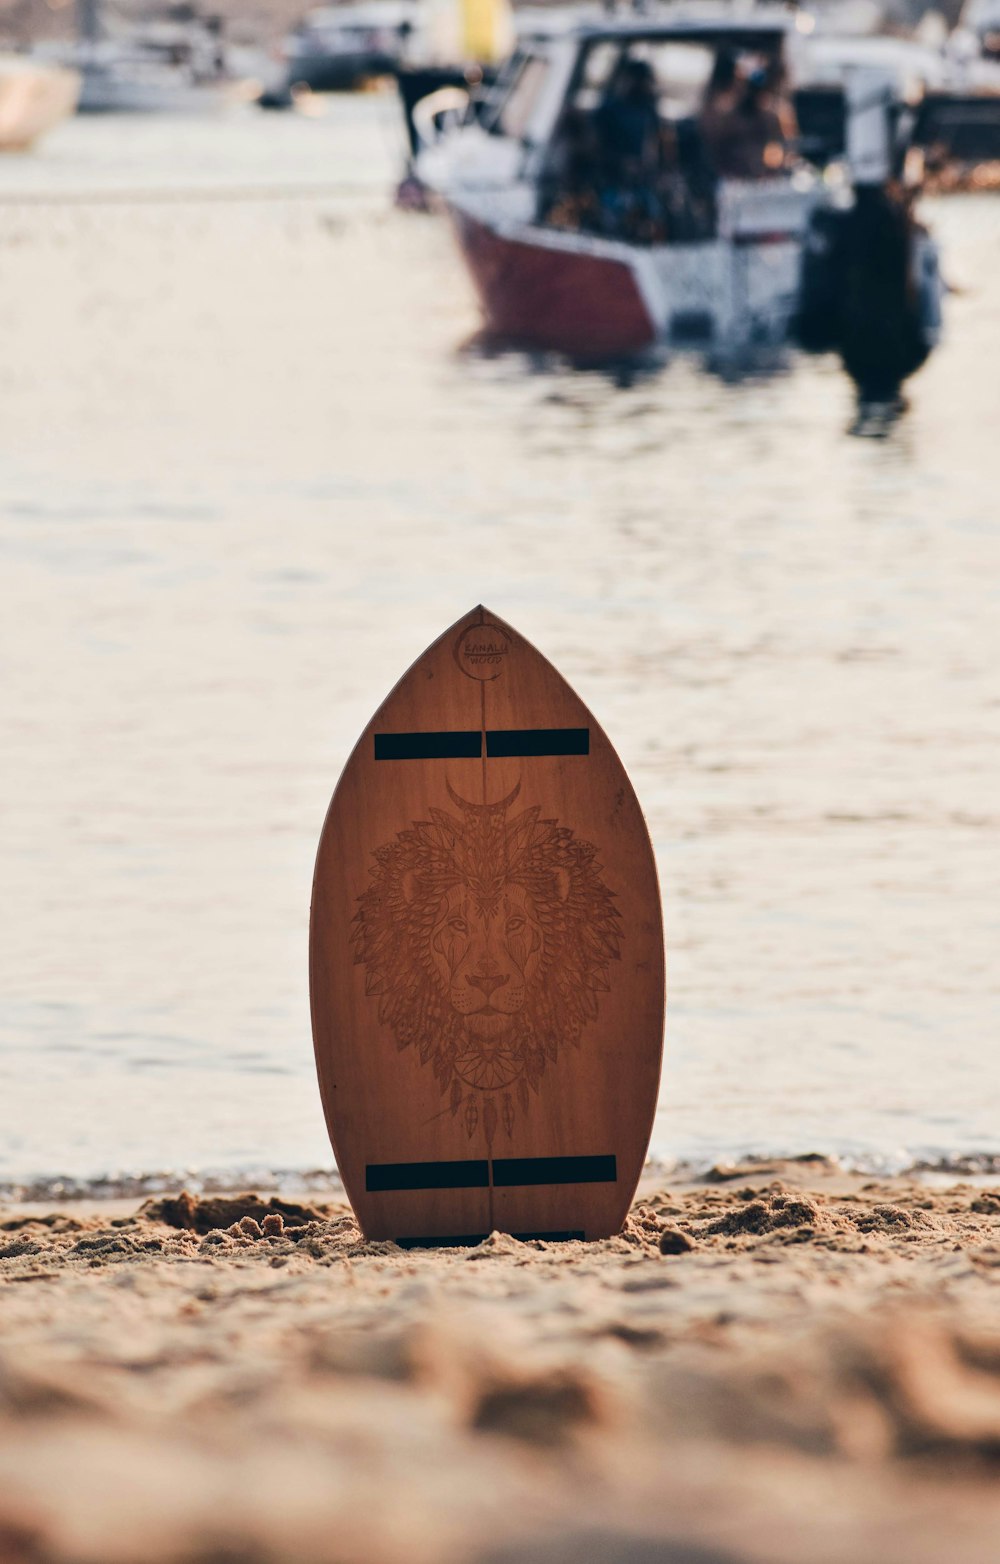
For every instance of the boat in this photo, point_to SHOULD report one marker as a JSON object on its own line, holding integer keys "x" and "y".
{"x": 33, "y": 98}
{"x": 424, "y": 44}
{"x": 339, "y": 47}
{"x": 176, "y": 62}
{"x": 688, "y": 253}
{"x": 949, "y": 92}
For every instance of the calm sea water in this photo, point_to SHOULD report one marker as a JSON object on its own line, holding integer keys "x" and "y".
{"x": 249, "y": 467}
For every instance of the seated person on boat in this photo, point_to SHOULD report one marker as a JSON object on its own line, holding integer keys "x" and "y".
{"x": 622, "y": 168}
{"x": 748, "y": 124}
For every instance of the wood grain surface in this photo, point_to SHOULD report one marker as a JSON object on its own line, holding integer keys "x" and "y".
{"x": 486, "y": 955}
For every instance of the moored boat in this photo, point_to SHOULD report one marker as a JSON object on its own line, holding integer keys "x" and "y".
{"x": 606, "y": 202}
{"x": 162, "y": 64}
{"x": 338, "y": 47}
{"x": 950, "y": 94}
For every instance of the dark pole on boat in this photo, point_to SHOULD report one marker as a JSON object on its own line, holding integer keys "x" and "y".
{"x": 88, "y": 20}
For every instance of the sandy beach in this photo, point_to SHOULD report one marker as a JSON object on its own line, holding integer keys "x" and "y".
{"x": 781, "y": 1361}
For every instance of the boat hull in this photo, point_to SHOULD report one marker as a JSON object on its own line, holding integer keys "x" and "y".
{"x": 555, "y": 297}
{"x": 771, "y": 275}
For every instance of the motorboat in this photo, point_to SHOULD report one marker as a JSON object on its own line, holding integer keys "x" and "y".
{"x": 132, "y": 77}
{"x": 173, "y": 63}
{"x": 339, "y": 47}
{"x": 569, "y": 253}
{"x": 949, "y": 92}
{"x": 33, "y": 98}
{"x": 962, "y": 121}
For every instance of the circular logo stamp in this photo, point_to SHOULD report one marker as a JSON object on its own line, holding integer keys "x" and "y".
{"x": 480, "y": 651}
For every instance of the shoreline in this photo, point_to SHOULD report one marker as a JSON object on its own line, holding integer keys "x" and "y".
{"x": 39, "y": 1193}
{"x": 777, "y": 1363}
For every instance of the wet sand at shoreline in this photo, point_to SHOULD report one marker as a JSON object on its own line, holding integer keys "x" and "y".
{"x": 780, "y": 1362}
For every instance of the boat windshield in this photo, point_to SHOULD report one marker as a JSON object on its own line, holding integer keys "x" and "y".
{"x": 513, "y": 100}
{"x": 680, "y": 72}
{"x": 651, "y": 124}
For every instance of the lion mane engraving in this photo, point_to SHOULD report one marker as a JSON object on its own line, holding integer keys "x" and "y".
{"x": 486, "y": 939}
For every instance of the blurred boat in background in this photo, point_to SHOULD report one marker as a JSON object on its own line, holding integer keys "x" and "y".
{"x": 339, "y": 47}
{"x": 960, "y": 122}
{"x": 424, "y": 44}
{"x": 174, "y": 62}
{"x": 949, "y": 94}
{"x": 600, "y": 213}
{"x": 33, "y": 98}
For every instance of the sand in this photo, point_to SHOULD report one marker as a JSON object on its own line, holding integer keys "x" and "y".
{"x": 780, "y": 1362}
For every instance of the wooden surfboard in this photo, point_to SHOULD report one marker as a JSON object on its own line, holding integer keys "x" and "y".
{"x": 486, "y": 956}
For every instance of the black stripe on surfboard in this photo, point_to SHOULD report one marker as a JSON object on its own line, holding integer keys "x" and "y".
{"x": 429, "y": 746}
{"x": 555, "y": 1170}
{"x": 382, "y": 1176}
{"x": 467, "y": 744}
{"x": 470, "y": 1240}
{"x": 505, "y": 743}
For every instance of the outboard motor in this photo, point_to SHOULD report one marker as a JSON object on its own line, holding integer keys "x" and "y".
{"x": 870, "y": 284}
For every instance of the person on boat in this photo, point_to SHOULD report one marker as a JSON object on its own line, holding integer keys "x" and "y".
{"x": 719, "y": 101}
{"x": 779, "y": 99}
{"x": 570, "y": 198}
{"x": 629, "y": 146}
{"x": 751, "y": 142}
{"x": 627, "y": 122}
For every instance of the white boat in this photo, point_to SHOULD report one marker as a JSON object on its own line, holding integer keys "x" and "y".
{"x": 338, "y": 47}
{"x": 33, "y": 98}
{"x": 154, "y": 67}
{"x": 132, "y": 76}
{"x": 950, "y": 93}
{"x": 696, "y": 252}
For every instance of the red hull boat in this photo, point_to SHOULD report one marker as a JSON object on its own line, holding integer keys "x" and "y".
{"x": 553, "y": 296}
{"x": 573, "y": 252}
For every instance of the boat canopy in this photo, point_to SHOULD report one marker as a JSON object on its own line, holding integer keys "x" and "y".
{"x": 551, "y": 66}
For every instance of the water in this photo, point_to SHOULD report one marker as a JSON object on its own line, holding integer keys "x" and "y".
{"x": 248, "y": 470}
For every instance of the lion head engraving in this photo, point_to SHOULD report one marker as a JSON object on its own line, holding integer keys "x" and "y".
{"x": 486, "y": 938}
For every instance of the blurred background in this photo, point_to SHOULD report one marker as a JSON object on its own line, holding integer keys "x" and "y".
{"x": 256, "y": 451}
